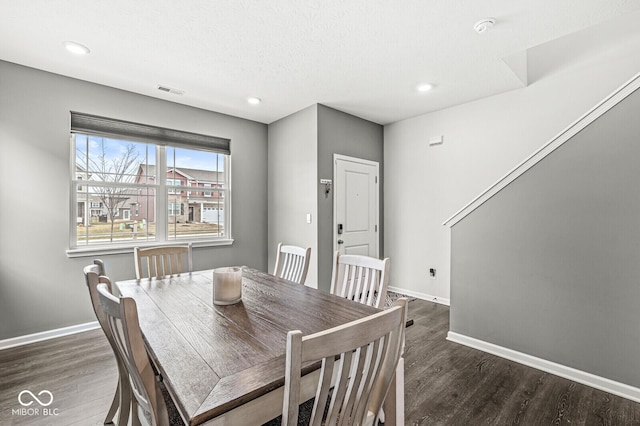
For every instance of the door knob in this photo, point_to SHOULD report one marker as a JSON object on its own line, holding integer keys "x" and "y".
{"x": 340, "y": 242}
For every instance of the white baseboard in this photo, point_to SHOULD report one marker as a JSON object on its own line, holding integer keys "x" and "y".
{"x": 46, "y": 335}
{"x": 418, "y": 295}
{"x": 601, "y": 383}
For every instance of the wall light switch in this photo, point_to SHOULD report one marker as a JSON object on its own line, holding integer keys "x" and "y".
{"x": 308, "y": 217}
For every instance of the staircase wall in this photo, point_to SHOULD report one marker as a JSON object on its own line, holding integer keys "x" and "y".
{"x": 550, "y": 265}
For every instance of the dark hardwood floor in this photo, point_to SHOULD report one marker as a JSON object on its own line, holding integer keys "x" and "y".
{"x": 79, "y": 371}
{"x": 451, "y": 384}
{"x": 445, "y": 383}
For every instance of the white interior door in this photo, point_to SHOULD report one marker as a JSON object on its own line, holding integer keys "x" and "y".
{"x": 355, "y": 203}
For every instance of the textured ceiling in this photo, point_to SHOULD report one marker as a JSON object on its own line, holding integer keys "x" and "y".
{"x": 364, "y": 57}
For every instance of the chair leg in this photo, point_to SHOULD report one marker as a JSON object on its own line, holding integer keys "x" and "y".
{"x": 125, "y": 398}
{"x": 135, "y": 413}
{"x": 394, "y": 402}
{"x": 115, "y": 404}
{"x": 400, "y": 392}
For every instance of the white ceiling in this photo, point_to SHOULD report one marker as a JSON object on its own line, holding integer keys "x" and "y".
{"x": 364, "y": 57}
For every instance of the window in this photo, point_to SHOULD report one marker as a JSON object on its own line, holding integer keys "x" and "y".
{"x": 207, "y": 193}
{"x": 173, "y": 182}
{"x": 138, "y": 174}
{"x": 174, "y": 209}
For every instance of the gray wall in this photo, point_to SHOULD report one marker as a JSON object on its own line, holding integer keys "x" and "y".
{"x": 40, "y": 287}
{"x": 550, "y": 266}
{"x": 301, "y": 148}
{"x": 483, "y": 140}
{"x": 342, "y": 133}
{"x": 292, "y": 185}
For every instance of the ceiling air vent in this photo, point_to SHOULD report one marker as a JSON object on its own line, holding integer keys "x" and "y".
{"x": 170, "y": 90}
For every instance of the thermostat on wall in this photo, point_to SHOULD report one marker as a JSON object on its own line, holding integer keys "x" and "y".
{"x": 438, "y": 140}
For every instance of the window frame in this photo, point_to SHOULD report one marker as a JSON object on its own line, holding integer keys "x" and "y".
{"x": 159, "y": 185}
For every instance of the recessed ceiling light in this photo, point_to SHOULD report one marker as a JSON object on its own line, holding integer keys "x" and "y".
{"x": 484, "y": 25}
{"x": 254, "y": 100}
{"x": 76, "y": 48}
{"x": 424, "y": 87}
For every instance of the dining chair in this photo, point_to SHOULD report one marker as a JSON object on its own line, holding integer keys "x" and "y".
{"x": 161, "y": 261}
{"x": 292, "y": 263}
{"x": 358, "y": 363}
{"x": 147, "y": 405}
{"x": 360, "y": 278}
{"x": 95, "y": 274}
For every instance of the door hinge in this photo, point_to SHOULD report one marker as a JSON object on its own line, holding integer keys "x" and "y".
{"x": 376, "y": 179}
{"x": 376, "y": 228}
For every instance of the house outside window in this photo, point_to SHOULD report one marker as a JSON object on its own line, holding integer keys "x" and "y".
{"x": 129, "y": 190}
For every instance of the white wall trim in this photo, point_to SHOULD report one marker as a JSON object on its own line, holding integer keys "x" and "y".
{"x": 128, "y": 249}
{"x": 46, "y": 335}
{"x": 601, "y": 383}
{"x": 422, "y": 296}
{"x": 594, "y": 113}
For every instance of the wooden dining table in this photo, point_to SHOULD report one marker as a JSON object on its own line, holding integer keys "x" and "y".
{"x": 225, "y": 364}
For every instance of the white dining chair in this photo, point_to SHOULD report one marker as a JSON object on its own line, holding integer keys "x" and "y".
{"x": 162, "y": 261}
{"x": 360, "y": 278}
{"x": 147, "y": 404}
{"x": 358, "y": 363}
{"x": 94, "y": 275}
{"x": 292, "y": 263}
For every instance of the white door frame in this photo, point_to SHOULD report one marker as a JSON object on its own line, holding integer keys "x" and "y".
{"x": 337, "y": 157}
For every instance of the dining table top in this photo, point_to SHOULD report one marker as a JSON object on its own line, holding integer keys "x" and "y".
{"x": 216, "y": 358}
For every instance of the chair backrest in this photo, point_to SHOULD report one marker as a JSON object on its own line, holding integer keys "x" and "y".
{"x": 360, "y": 278}
{"x": 97, "y": 266}
{"x": 358, "y": 359}
{"x": 292, "y": 263}
{"x": 94, "y": 275}
{"x": 122, "y": 318}
{"x": 161, "y": 261}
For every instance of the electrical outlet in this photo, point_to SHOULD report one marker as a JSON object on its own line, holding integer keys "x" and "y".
{"x": 432, "y": 273}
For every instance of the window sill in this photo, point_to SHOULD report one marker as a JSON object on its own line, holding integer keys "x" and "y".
{"x": 100, "y": 251}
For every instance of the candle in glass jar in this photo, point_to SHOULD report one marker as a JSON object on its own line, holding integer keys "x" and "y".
{"x": 227, "y": 285}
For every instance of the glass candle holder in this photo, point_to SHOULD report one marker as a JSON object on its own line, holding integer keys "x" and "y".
{"x": 227, "y": 285}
